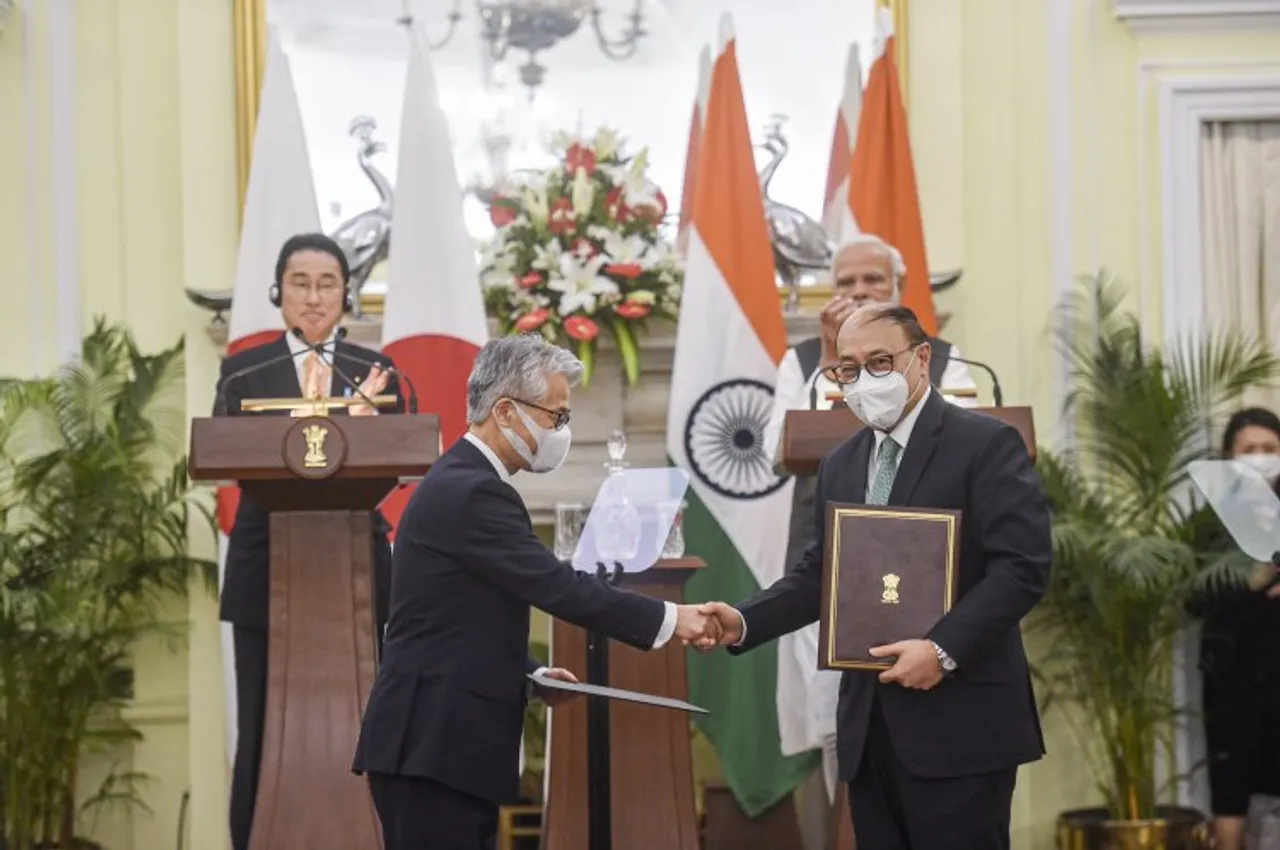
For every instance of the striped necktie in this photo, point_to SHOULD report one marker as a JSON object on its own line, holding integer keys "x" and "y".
{"x": 886, "y": 469}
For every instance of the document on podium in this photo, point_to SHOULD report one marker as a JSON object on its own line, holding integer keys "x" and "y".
{"x": 616, "y": 693}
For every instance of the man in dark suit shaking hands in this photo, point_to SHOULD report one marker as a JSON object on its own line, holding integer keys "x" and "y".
{"x": 311, "y": 289}
{"x": 440, "y": 740}
{"x": 930, "y": 748}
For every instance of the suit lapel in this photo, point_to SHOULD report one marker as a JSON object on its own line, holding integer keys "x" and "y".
{"x": 337, "y": 386}
{"x": 920, "y": 447}
{"x": 861, "y": 459}
{"x": 282, "y": 378}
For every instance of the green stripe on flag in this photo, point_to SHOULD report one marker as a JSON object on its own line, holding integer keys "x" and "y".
{"x": 739, "y": 692}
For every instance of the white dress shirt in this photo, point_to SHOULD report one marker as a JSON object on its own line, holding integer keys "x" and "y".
{"x": 668, "y": 627}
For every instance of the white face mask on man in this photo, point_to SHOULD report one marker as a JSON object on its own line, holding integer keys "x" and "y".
{"x": 878, "y": 401}
{"x": 553, "y": 445}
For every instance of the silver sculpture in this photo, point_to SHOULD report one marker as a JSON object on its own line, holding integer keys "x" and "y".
{"x": 365, "y": 238}
{"x": 801, "y": 247}
{"x": 800, "y": 244}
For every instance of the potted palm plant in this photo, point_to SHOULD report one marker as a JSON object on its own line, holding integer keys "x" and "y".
{"x": 94, "y": 509}
{"x": 1130, "y": 551}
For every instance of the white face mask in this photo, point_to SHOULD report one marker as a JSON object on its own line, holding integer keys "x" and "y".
{"x": 879, "y": 402}
{"x": 553, "y": 446}
{"x": 1268, "y": 465}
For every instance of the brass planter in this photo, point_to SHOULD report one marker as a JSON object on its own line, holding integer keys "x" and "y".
{"x": 1174, "y": 829}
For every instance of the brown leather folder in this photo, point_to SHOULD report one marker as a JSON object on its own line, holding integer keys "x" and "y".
{"x": 888, "y": 574}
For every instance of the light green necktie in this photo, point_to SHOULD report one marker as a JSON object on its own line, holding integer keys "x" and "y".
{"x": 886, "y": 469}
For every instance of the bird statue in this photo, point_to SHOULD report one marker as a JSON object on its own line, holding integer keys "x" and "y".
{"x": 366, "y": 237}
{"x": 800, "y": 244}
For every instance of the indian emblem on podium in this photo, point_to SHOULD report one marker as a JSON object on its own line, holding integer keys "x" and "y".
{"x": 315, "y": 457}
{"x": 890, "y": 595}
{"x": 315, "y": 447}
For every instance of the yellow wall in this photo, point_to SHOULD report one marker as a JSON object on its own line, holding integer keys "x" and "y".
{"x": 155, "y": 181}
{"x": 155, "y": 189}
{"x": 983, "y": 78}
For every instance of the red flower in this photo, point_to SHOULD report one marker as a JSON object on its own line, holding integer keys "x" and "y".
{"x": 580, "y": 156}
{"x": 630, "y": 271}
{"x": 652, "y": 212}
{"x": 584, "y": 248}
{"x": 581, "y": 328}
{"x": 532, "y": 321}
{"x": 614, "y": 206}
{"x": 632, "y": 310}
{"x": 531, "y": 280}
{"x": 502, "y": 212}
{"x": 560, "y": 217}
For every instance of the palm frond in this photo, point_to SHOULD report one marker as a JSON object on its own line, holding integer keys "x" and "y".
{"x": 1132, "y": 553}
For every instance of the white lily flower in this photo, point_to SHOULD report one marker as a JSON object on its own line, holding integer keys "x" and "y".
{"x": 535, "y": 205}
{"x": 627, "y": 250}
{"x": 546, "y": 256}
{"x": 606, "y": 143}
{"x": 580, "y": 284}
{"x": 583, "y": 194}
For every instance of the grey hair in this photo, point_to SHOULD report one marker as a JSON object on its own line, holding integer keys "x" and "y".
{"x": 896, "y": 264}
{"x": 516, "y": 367}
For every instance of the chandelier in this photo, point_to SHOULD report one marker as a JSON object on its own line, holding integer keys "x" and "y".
{"x": 537, "y": 25}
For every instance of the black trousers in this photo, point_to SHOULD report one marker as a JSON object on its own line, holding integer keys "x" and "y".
{"x": 895, "y": 810}
{"x": 421, "y": 814}
{"x": 251, "y": 710}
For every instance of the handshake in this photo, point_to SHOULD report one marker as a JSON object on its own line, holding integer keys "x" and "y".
{"x": 708, "y": 625}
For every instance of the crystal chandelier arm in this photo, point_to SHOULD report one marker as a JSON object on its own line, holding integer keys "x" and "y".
{"x": 625, "y": 47}
{"x": 453, "y": 18}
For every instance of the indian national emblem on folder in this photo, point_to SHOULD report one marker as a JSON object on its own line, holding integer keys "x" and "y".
{"x": 888, "y": 574}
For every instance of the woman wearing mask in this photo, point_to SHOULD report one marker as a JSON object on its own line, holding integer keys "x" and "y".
{"x": 1240, "y": 660}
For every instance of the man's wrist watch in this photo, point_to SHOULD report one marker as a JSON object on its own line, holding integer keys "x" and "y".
{"x": 946, "y": 662}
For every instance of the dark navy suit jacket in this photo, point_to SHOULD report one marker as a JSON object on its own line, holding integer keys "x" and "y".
{"x": 448, "y": 703}
{"x": 982, "y": 718}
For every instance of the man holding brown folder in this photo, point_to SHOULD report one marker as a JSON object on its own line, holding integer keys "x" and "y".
{"x": 930, "y": 746}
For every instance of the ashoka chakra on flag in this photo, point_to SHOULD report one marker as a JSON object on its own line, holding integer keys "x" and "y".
{"x": 724, "y": 439}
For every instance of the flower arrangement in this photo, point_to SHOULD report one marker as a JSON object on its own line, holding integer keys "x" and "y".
{"x": 579, "y": 252}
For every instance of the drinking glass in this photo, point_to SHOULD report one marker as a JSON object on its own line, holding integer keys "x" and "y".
{"x": 571, "y": 517}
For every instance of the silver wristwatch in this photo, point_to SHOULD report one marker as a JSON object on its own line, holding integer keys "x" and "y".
{"x": 946, "y": 662}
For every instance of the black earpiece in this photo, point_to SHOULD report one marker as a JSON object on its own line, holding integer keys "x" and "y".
{"x": 273, "y": 294}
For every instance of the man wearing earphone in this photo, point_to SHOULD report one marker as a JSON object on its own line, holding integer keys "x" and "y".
{"x": 312, "y": 290}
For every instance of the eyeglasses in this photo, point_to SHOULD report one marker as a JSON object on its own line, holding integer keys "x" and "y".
{"x": 326, "y": 289}
{"x": 877, "y": 367}
{"x": 561, "y": 416}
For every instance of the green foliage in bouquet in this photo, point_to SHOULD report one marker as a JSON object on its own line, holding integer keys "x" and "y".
{"x": 94, "y": 507}
{"x": 579, "y": 252}
{"x": 1131, "y": 538}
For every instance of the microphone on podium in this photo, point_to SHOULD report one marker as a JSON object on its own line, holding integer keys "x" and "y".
{"x": 996, "y": 394}
{"x": 401, "y": 375}
{"x": 319, "y": 348}
{"x": 220, "y": 402}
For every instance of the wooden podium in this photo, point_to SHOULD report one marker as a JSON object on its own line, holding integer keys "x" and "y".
{"x": 320, "y": 477}
{"x": 651, "y": 756}
{"x": 808, "y": 435}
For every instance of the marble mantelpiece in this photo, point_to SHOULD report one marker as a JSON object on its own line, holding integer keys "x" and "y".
{"x": 640, "y": 411}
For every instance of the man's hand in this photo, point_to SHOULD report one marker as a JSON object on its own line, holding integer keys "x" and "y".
{"x": 695, "y": 627}
{"x": 916, "y": 664}
{"x": 832, "y": 317}
{"x": 554, "y": 697}
{"x": 728, "y": 624}
{"x": 374, "y": 383}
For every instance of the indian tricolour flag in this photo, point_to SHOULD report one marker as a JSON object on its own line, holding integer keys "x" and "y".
{"x": 729, "y": 341}
{"x": 837, "y": 215}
